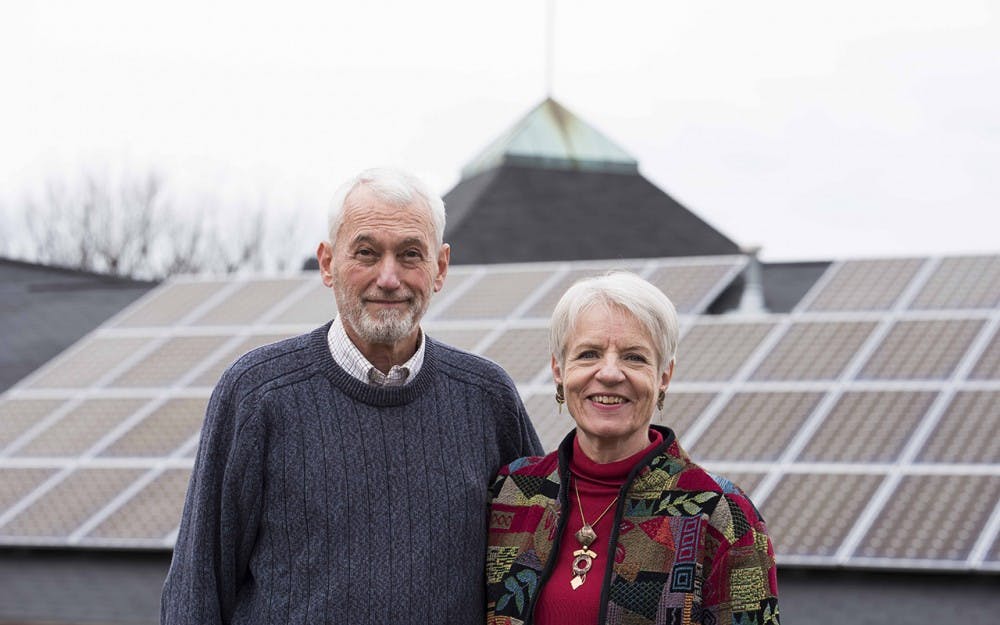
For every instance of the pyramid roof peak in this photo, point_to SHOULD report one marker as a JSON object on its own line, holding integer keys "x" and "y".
{"x": 551, "y": 136}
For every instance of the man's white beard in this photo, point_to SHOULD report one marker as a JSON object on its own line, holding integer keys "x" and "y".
{"x": 386, "y": 327}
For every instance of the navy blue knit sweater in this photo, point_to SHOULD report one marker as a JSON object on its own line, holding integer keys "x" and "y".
{"x": 316, "y": 498}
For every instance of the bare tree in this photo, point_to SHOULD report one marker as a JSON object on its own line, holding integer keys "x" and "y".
{"x": 128, "y": 226}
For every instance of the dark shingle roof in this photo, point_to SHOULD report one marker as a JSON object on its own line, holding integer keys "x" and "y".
{"x": 43, "y": 310}
{"x": 553, "y": 187}
{"x": 517, "y": 213}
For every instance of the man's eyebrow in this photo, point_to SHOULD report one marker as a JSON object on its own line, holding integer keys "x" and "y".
{"x": 413, "y": 241}
{"x": 363, "y": 238}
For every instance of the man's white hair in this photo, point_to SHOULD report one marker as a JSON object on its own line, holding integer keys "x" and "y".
{"x": 394, "y": 187}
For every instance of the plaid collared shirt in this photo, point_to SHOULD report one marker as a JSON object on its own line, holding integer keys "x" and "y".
{"x": 346, "y": 354}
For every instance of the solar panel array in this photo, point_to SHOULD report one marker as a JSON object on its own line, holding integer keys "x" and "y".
{"x": 864, "y": 423}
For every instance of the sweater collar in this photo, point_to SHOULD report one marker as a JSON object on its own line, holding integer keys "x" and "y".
{"x": 319, "y": 353}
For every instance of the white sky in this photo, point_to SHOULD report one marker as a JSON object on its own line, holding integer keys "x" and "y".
{"x": 817, "y": 130}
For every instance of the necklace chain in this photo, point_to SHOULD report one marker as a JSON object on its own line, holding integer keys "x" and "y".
{"x": 580, "y": 503}
{"x": 583, "y": 558}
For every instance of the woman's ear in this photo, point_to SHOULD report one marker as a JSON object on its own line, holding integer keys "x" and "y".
{"x": 667, "y": 374}
{"x": 556, "y": 373}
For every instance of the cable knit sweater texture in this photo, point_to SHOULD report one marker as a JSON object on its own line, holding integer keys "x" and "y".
{"x": 316, "y": 498}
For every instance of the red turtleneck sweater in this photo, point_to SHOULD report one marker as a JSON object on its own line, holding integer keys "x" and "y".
{"x": 558, "y": 603}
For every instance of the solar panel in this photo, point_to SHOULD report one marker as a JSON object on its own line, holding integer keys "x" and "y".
{"x": 15, "y": 484}
{"x": 814, "y": 351}
{"x": 993, "y": 555}
{"x": 551, "y": 425}
{"x": 967, "y": 432}
{"x": 716, "y": 351}
{"x": 681, "y": 409}
{"x": 458, "y": 278}
{"x": 810, "y": 514}
{"x": 18, "y": 415}
{"x": 865, "y": 284}
{"x": 68, "y": 504}
{"x": 988, "y": 367}
{"x": 148, "y": 517}
{"x": 547, "y": 303}
{"x": 162, "y": 431}
{"x": 922, "y": 349}
{"x": 523, "y": 352}
{"x": 210, "y": 376}
{"x": 312, "y": 307}
{"x": 83, "y": 367}
{"x": 494, "y": 295}
{"x": 168, "y": 362}
{"x": 868, "y": 426}
{"x": 248, "y": 303}
{"x": 962, "y": 282}
{"x": 168, "y": 305}
{"x": 80, "y": 428}
{"x": 755, "y": 426}
{"x": 461, "y": 338}
{"x": 685, "y": 284}
{"x": 933, "y": 517}
{"x": 881, "y": 388}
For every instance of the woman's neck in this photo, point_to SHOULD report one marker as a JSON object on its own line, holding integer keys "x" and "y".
{"x": 604, "y": 451}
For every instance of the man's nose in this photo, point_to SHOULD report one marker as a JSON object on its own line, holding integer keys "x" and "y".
{"x": 388, "y": 274}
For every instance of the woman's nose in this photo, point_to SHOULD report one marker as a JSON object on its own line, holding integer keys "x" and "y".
{"x": 610, "y": 371}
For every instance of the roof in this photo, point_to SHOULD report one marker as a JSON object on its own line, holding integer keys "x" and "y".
{"x": 552, "y": 136}
{"x": 554, "y": 188}
{"x": 519, "y": 213}
{"x": 44, "y": 310}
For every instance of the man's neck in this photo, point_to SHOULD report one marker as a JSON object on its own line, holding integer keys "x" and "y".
{"x": 384, "y": 356}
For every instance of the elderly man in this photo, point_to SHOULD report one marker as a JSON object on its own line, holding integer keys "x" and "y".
{"x": 342, "y": 475}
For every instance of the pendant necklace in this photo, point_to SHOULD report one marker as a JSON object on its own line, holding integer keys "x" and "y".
{"x": 583, "y": 558}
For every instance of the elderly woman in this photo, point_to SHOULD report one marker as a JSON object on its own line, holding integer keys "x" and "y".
{"x": 619, "y": 525}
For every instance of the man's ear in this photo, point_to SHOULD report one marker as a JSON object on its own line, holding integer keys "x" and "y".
{"x": 443, "y": 258}
{"x": 324, "y": 254}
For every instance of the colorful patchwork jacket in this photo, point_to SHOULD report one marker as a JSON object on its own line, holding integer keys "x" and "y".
{"x": 689, "y": 547}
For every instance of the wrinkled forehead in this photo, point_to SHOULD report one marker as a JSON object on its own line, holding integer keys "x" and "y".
{"x": 376, "y": 216}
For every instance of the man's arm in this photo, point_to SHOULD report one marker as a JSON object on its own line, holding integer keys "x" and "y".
{"x": 528, "y": 445}
{"x": 220, "y": 516}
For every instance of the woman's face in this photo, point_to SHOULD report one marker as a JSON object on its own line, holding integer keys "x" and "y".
{"x": 611, "y": 379}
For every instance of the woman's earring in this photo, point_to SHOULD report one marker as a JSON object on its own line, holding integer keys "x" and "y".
{"x": 659, "y": 400}
{"x": 560, "y": 397}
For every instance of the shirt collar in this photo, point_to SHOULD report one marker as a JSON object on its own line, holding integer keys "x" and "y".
{"x": 347, "y": 355}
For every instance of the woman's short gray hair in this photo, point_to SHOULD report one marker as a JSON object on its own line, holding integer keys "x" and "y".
{"x": 625, "y": 290}
{"x": 392, "y": 186}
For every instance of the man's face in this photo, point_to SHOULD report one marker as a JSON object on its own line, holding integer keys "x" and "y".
{"x": 383, "y": 268}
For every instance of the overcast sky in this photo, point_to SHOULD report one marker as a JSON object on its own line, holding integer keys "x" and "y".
{"x": 817, "y": 130}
